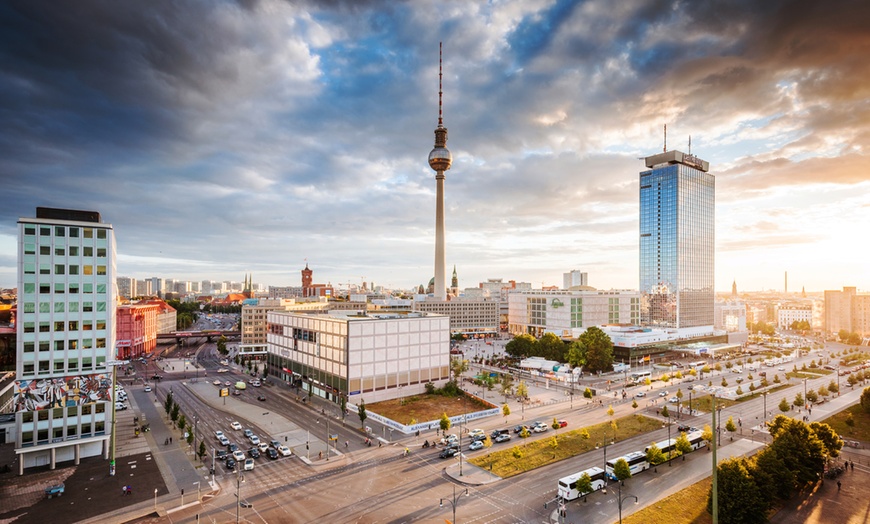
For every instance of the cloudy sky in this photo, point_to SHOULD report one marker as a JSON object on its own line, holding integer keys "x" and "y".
{"x": 225, "y": 138}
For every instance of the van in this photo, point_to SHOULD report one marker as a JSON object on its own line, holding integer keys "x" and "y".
{"x": 241, "y": 385}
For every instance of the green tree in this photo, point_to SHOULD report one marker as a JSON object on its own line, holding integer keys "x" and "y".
{"x": 865, "y": 400}
{"x": 181, "y": 422}
{"x": 551, "y": 347}
{"x": 798, "y": 401}
{"x": 705, "y": 369}
{"x": 730, "y": 426}
{"x": 665, "y": 378}
{"x": 776, "y": 379}
{"x": 584, "y": 434}
{"x": 222, "y": 345}
{"x": 724, "y": 382}
{"x": 189, "y": 435}
{"x": 554, "y": 443}
{"x": 850, "y": 420}
{"x": 507, "y": 385}
{"x": 522, "y": 390}
{"x": 799, "y": 448}
{"x": 823, "y": 391}
{"x": 576, "y": 355}
{"x": 829, "y": 438}
{"x": 812, "y": 396}
{"x": 522, "y": 346}
{"x": 784, "y": 406}
{"x": 610, "y": 410}
{"x": 853, "y": 379}
{"x": 517, "y": 453}
{"x": 654, "y": 455}
{"x": 665, "y": 412}
{"x": 740, "y": 390}
{"x": 598, "y": 349}
{"x": 505, "y": 410}
{"x": 174, "y": 413}
{"x": 445, "y": 423}
{"x": 202, "y": 450}
{"x": 634, "y": 403}
{"x": 458, "y": 366}
{"x": 621, "y": 470}
{"x": 361, "y": 411}
{"x": 168, "y": 404}
{"x": 587, "y": 393}
{"x": 739, "y": 500}
{"x": 555, "y": 425}
{"x": 524, "y": 433}
{"x": 584, "y": 485}
{"x": 694, "y": 372}
{"x": 833, "y": 387}
{"x": 682, "y": 445}
{"x": 717, "y": 367}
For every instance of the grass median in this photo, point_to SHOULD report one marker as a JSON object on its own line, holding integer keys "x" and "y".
{"x": 526, "y": 455}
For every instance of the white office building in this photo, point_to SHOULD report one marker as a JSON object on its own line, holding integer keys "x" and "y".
{"x": 568, "y": 313}
{"x": 63, "y": 394}
{"x": 371, "y": 357}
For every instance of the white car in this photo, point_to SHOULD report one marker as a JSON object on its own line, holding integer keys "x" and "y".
{"x": 217, "y": 382}
{"x": 284, "y": 451}
{"x": 249, "y": 464}
{"x": 673, "y": 400}
{"x": 235, "y": 425}
{"x": 223, "y": 440}
{"x": 147, "y": 389}
{"x": 663, "y": 393}
{"x": 218, "y": 434}
{"x": 540, "y": 428}
{"x": 255, "y": 440}
{"x": 120, "y": 406}
{"x": 263, "y": 447}
{"x": 238, "y": 455}
{"x": 474, "y": 446}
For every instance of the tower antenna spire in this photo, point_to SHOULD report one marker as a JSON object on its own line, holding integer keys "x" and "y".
{"x": 665, "y": 148}
{"x": 690, "y": 144}
{"x": 440, "y": 119}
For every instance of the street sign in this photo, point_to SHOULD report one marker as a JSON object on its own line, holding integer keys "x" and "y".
{"x": 225, "y": 392}
{"x": 334, "y": 436}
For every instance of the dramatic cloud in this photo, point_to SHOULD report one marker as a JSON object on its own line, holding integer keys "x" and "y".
{"x": 224, "y": 138}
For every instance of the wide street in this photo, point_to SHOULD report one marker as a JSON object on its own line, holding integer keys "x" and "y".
{"x": 377, "y": 484}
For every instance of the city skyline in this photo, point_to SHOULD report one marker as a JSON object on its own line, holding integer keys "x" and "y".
{"x": 232, "y": 147}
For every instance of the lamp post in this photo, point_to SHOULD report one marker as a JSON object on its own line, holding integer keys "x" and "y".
{"x": 806, "y": 402}
{"x": 155, "y": 499}
{"x": 763, "y": 396}
{"x": 622, "y": 499}
{"x": 461, "y": 429}
{"x": 452, "y": 502}
{"x": 838, "y": 381}
{"x": 604, "y": 489}
{"x": 690, "y": 402}
{"x": 197, "y": 490}
{"x": 669, "y": 441}
{"x": 113, "y": 436}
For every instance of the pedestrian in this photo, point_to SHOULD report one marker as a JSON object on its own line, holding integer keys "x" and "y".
{"x": 170, "y": 440}
{"x": 123, "y": 490}
{"x": 346, "y": 443}
{"x": 838, "y": 485}
{"x": 852, "y": 465}
{"x": 320, "y": 455}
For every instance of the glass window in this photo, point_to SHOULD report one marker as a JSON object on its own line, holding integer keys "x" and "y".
{"x": 88, "y": 307}
{"x": 59, "y": 269}
{"x": 29, "y": 269}
{"x": 44, "y": 269}
{"x": 87, "y": 287}
{"x": 101, "y": 270}
{"x": 44, "y": 288}
{"x": 74, "y": 270}
{"x": 29, "y": 347}
{"x": 58, "y": 345}
{"x": 73, "y": 306}
{"x": 59, "y": 231}
{"x": 86, "y": 409}
{"x": 73, "y": 232}
{"x": 73, "y": 344}
{"x": 59, "y": 251}
{"x": 30, "y": 307}
{"x": 101, "y": 233}
{"x": 101, "y": 342}
{"x": 59, "y": 287}
{"x": 30, "y": 287}
{"x": 87, "y": 270}
{"x": 58, "y": 365}
{"x": 30, "y": 249}
{"x": 44, "y": 345}
{"x": 74, "y": 288}
{"x": 44, "y": 327}
{"x": 87, "y": 325}
{"x": 101, "y": 288}
{"x": 88, "y": 251}
{"x": 73, "y": 325}
{"x": 101, "y": 307}
{"x": 58, "y": 307}
{"x": 88, "y": 232}
{"x": 44, "y": 366}
{"x": 101, "y": 252}
{"x": 87, "y": 343}
{"x": 59, "y": 325}
{"x": 45, "y": 250}
{"x": 73, "y": 251}
{"x": 29, "y": 327}
{"x": 73, "y": 365}
{"x": 28, "y": 368}
{"x": 45, "y": 307}
{"x": 86, "y": 363}
{"x": 101, "y": 324}
{"x": 45, "y": 231}
{"x": 29, "y": 230}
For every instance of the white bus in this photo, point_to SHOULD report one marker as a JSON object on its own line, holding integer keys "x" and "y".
{"x": 638, "y": 376}
{"x": 636, "y": 463}
{"x": 694, "y": 437}
{"x": 568, "y": 485}
{"x": 698, "y": 364}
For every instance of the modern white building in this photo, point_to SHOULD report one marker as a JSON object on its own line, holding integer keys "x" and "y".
{"x": 787, "y": 314}
{"x": 371, "y": 357}
{"x": 730, "y": 316}
{"x": 568, "y": 313}
{"x": 65, "y": 337}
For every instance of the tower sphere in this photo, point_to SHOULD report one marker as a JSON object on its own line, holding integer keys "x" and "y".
{"x": 440, "y": 159}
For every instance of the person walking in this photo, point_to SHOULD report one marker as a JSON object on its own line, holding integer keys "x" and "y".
{"x": 838, "y": 485}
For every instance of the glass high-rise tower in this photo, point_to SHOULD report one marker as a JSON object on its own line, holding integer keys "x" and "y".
{"x": 677, "y": 227}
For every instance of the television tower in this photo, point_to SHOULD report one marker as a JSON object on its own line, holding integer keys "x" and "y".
{"x": 440, "y": 160}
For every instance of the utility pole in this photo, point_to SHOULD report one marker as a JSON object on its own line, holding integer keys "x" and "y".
{"x": 715, "y": 497}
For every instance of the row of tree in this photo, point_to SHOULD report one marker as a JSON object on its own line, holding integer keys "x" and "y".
{"x": 593, "y": 349}
{"x": 173, "y": 410}
{"x": 748, "y": 487}
{"x": 849, "y": 337}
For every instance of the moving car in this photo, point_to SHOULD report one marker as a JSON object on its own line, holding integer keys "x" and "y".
{"x": 120, "y": 406}
{"x": 284, "y": 451}
{"x": 249, "y": 464}
{"x": 663, "y": 393}
{"x": 673, "y": 400}
{"x": 216, "y": 382}
{"x": 563, "y": 423}
{"x": 238, "y": 455}
{"x": 274, "y": 443}
{"x": 263, "y": 447}
{"x": 540, "y": 427}
{"x": 272, "y": 453}
{"x": 254, "y": 453}
{"x": 221, "y": 454}
{"x": 477, "y": 434}
{"x": 218, "y": 434}
{"x": 475, "y": 445}
{"x": 504, "y": 437}
{"x": 231, "y": 464}
{"x": 248, "y": 433}
{"x": 640, "y": 394}
{"x": 255, "y": 440}
{"x": 235, "y": 425}
{"x": 261, "y": 398}
{"x": 448, "y": 453}
{"x": 224, "y": 441}
{"x": 232, "y": 448}
{"x": 147, "y": 389}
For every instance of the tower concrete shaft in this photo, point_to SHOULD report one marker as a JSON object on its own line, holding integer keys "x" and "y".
{"x": 440, "y": 161}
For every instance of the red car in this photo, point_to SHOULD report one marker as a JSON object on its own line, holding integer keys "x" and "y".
{"x": 563, "y": 423}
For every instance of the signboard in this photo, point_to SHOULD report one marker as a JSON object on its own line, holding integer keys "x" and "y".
{"x": 225, "y": 392}
{"x": 334, "y": 436}
{"x": 49, "y": 393}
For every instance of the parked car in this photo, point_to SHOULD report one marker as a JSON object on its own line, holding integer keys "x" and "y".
{"x": 663, "y": 393}
{"x": 147, "y": 388}
{"x": 284, "y": 451}
{"x": 673, "y": 400}
{"x": 477, "y": 434}
{"x": 274, "y": 443}
{"x": 120, "y": 406}
{"x": 216, "y": 382}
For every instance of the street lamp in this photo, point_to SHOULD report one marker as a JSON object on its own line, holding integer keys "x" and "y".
{"x": 622, "y": 499}
{"x": 155, "y": 499}
{"x": 669, "y": 440}
{"x": 452, "y": 502}
{"x": 604, "y": 489}
{"x": 197, "y": 490}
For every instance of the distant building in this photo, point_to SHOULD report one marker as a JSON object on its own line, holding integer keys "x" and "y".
{"x": 730, "y": 316}
{"x": 63, "y": 395}
{"x": 143, "y": 288}
{"x": 568, "y": 313}
{"x": 468, "y": 317}
{"x": 574, "y": 278}
{"x": 310, "y": 289}
{"x": 137, "y": 330}
{"x": 847, "y": 310}
{"x": 369, "y": 357}
{"x": 786, "y": 315}
{"x": 166, "y": 316}
{"x": 126, "y": 287}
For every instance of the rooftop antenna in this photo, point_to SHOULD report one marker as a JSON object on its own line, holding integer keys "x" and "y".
{"x": 690, "y": 144}
{"x": 665, "y": 148}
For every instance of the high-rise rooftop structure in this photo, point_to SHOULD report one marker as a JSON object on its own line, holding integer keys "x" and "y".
{"x": 440, "y": 160}
{"x": 65, "y": 337}
{"x": 677, "y": 227}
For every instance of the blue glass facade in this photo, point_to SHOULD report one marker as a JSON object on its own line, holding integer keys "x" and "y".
{"x": 677, "y": 227}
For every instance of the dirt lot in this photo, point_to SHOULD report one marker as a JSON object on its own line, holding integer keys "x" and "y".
{"x": 423, "y": 408}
